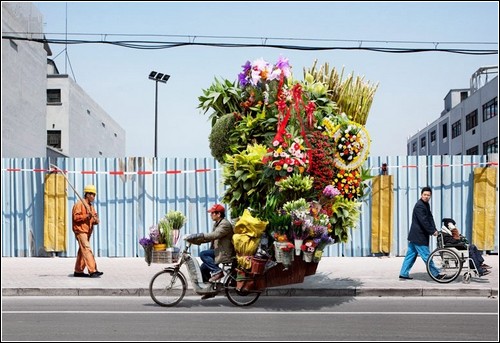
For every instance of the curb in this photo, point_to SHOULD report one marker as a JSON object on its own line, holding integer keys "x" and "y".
{"x": 275, "y": 292}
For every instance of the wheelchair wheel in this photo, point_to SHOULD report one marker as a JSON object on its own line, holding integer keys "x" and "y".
{"x": 448, "y": 262}
{"x": 467, "y": 277}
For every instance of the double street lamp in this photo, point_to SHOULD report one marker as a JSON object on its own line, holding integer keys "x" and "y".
{"x": 157, "y": 77}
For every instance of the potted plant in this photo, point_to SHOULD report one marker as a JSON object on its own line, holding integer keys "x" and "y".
{"x": 176, "y": 219}
{"x": 165, "y": 228}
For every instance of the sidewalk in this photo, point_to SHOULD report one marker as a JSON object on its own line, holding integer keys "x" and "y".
{"x": 335, "y": 276}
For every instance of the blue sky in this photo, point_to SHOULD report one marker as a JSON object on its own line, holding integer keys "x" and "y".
{"x": 411, "y": 87}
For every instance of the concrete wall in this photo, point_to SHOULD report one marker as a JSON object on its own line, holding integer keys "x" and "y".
{"x": 87, "y": 130}
{"x": 24, "y": 84}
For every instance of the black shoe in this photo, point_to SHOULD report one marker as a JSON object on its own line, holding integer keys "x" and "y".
{"x": 76, "y": 274}
{"x": 208, "y": 296}
{"x": 405, "y": 277}
{"x": 216, "y": 277}
{"x": 486, "y": 272}
{"x": 485, "y": 266}
{"x": 441, "y": 276}
{"x": 96, "y": 274}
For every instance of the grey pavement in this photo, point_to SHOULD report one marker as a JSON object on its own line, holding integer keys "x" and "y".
{"x": 335, "y": 276}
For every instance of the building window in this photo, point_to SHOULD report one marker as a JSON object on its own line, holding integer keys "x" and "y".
{"x": 422, "y": 142}
{"x": 54, "y": 138}
{"x": 463, "y": 96}
{"x": 490, "y": 109}
{"x": 445, "y": 130}
{"x": 471, "y": 120}
{"x": 414, "y": 147}
{"x": 491, "y": 146}
{"x": 473, "y": 151}
{"x": 433, "y": 136}
{"x": 456, "y": 129}
{"x": 53, "y": 96}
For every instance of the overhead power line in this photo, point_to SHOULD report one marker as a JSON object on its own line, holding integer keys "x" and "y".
{"x": 264, "y": 43}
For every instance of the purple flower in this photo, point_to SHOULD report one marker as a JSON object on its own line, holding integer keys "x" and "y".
{"x": 330, "y": 191}
{"x": 284, "y": 66}
{"x": 243, "y": 76}
{"x": 146, "y": 242}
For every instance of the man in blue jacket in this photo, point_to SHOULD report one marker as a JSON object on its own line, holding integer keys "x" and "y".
{"x": 422, "y": 227}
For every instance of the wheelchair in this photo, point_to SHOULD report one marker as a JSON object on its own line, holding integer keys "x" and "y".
{"x": 451, "y": 260}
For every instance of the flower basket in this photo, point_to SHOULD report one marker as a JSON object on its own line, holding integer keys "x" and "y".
{"x": 282, "y": 256}
{"x": 298, "y": 244}
{"x": 308, "y": 256}
{"x": 317, "y": 255}
{"x": 164, "y": 256}
{"x": 258, "y": 265}
{"x": 159, "y": 247}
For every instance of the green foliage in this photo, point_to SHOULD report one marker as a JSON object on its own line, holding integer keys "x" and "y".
{"x": 295, "y": 205}
{"x": 222, "y": 97}
{"x": 165, "y": 228}
{"x": 176, "y": 218}
{"x": 243, "y": 176}
{"x": 295, "y": 186}
{"x": 219, "y": 136}
{"x": 353, "y": 95}
{"x": 252, "y": 130}
{"x": 345, "y": 216}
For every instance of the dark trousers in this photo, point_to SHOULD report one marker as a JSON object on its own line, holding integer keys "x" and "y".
{"x": 208, "y": 258}
{"x": 476, "y": 256}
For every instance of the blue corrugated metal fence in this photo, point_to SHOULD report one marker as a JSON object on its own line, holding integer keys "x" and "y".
{"x": 134, "y": 193}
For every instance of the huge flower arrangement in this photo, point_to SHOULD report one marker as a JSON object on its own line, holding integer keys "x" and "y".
{"x": 291, "y": 145}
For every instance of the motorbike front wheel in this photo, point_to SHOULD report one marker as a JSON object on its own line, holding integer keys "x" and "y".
{"x": 236, "y": 297}
{"x": 168, "y": 287}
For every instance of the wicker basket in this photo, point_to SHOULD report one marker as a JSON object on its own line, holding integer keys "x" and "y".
{"x": 164, "y": 256}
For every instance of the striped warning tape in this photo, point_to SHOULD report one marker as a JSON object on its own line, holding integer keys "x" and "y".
{"x": 206, "y": 170}
{"x": 111, "y": 172}
{"x": 440, "y": 165}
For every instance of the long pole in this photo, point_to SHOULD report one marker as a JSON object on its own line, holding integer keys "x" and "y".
{"x": 156, "y": 120}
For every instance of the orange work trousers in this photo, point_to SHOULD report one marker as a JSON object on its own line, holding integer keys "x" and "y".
{"x": 85, "y": 256}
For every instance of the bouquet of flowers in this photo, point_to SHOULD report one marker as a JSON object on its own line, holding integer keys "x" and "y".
{"x": 308, "y": 249}
{"x": 155, "y": 235}
{"x": 287, "y": 156}
{"x": 308, "y": 246}
{"x": 147, "y": 244}
{"x": 176, "y": 218}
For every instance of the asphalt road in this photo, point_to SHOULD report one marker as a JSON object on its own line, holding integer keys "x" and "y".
{"x": 275, "y": 319}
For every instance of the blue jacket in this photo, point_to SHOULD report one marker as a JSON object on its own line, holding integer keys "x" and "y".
{"x": 422, "y": 224}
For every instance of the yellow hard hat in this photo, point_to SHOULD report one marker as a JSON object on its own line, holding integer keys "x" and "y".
{"x": 89, "y": 189}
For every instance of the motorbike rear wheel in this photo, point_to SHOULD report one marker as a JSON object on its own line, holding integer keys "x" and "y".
{"x": 168, "y": 287}
{"x": 238, "y": 297}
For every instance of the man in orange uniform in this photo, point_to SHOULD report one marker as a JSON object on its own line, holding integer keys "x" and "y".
{"x": 84, "y": 219}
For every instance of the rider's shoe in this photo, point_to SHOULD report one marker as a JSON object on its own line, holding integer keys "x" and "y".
{"x": 207, "y": 296}
{"x": 216, "y": 277}
{"x": 484, "y": 273}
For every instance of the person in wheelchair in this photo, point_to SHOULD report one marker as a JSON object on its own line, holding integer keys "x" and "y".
{"x": 453, "y": 238}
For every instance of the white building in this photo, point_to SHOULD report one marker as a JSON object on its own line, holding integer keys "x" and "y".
{"x": 468, "y": 125}
{"x": 44, "y": 113}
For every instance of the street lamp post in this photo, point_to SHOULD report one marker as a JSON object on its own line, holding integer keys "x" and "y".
{"x": 157, "y": 77}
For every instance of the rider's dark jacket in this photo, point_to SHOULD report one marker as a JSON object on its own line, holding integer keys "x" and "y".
{"x": 222, "y": 240}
